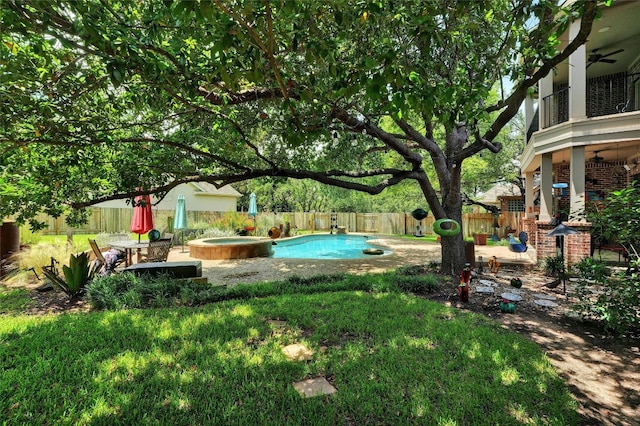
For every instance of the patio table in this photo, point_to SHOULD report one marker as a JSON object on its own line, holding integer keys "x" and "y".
{"x": 128, "y": 246}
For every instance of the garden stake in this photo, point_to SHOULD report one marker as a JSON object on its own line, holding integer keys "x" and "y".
{"x": 465, "y": 279}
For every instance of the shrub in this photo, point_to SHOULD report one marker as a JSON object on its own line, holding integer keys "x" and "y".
{"x": 419, "y": 284}
{"x": 215, "y": 233}
{"x": 28, "y": 236}
{"x": 613, "y": 300}
{"x": 75, "y": 276}
{"x": 314, "y": 280}
{"x": 121, "y": 291}
{"x": 417, "y": 269}
{"x": 34, "y": 258}
{"x": 553, "y": 265}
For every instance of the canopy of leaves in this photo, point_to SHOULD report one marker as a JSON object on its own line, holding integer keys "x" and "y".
{"x": 105, "y": 100}
{"x": 102, "y": 98}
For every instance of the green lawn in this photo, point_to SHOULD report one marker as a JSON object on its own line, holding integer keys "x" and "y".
{"x": 394, "y": 358}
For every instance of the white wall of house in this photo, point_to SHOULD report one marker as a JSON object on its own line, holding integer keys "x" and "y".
{"x": 198, "y": 197}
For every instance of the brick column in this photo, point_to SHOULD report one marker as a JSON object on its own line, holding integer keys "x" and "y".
{"x": 576, "y": 247}
{"x": 528, "y": 225}
{"x": 545, "y": 245}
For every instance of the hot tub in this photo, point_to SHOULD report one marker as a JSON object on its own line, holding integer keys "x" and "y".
{"x": 230, "y": 248}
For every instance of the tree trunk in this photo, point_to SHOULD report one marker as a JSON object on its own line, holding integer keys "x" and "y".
{"x": 453, "y": 250}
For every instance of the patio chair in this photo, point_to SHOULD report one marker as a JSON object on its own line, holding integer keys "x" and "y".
{"x": 109, "y": 260}
{"x": 158, "y": 251}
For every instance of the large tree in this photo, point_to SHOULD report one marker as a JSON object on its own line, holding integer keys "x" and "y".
{"x": 109, "y": 99}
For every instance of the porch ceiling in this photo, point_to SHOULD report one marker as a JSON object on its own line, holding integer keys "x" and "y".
{"x": 609, "y": 152}
{"x": 617, "y": 29}
{"x": 615, "y": 137}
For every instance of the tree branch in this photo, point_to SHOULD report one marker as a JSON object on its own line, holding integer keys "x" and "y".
{"x": 469, "y": 202}
{"x": 328, "y": 177}
{"x": 513, "y": 102}
{"x": 241, "y": 97}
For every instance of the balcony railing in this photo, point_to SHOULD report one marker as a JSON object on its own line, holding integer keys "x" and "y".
{"x": 535, "y": 124}
{"x": 611, "y": 94}
{"x": 555, "y": 108}
{"x": 605, "y": 95}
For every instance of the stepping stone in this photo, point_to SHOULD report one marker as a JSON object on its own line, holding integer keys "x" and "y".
{"x": 314, "y": 387}
{"x": 489, "y": 290}
{"x": 544, "y": 296}
{"x": 545, "y": 303}
{"x": 511, "y": 297}
{"x": 297, "y": 352}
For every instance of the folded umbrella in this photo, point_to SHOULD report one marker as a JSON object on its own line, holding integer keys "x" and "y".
{"x": 180, "y": 218}
{"x": 142, "y": 220}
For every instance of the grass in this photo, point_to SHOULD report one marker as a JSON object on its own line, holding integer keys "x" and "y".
{"x": 394, "y": 358}
{"x": 42, "y": 248}
{"x": 433, "y": 238}
{"x": 80, "y": 241}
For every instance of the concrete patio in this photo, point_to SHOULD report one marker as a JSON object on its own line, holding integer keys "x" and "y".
{"x": 406, "y": 252}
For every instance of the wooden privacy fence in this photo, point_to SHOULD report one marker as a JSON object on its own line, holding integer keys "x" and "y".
{"x": 118, "y": 219}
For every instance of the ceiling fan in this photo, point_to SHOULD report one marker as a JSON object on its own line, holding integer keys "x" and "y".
{"x": 596, "y": 158}
{"x": 599, "y": 57}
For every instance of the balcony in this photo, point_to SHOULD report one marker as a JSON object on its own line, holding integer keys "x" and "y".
{"x": 606, "y": 95}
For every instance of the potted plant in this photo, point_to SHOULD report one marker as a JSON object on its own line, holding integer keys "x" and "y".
{"x": 480, "y": 239}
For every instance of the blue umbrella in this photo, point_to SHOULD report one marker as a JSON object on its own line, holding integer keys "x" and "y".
{"x": 253, "y": 207}
{"x": 180, "y": 218}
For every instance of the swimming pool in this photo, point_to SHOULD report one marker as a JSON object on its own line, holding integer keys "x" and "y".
{"x": 325, "y": 247}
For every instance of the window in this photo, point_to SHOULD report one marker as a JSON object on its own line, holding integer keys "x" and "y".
{"x": 515, "y": 205}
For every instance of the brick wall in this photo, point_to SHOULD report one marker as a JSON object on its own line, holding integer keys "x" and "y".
{"x": 528, "y": 225}
{"x": 576, "y": 247}
{"x": 600, "y": 177}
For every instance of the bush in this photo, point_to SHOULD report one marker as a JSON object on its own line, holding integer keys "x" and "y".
{"x": 419, "y": 284}
{"x": 553, "y": 265}
{"x": 29, "y": 237}
{"x": 120, "y": 291}
{"x": 613, "y": 300}
{"x": 127, "y": 291}
{"x": 418, "y": 269}
{"x": 34, "y": 258}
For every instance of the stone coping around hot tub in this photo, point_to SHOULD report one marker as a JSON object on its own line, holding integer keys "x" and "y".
{"x": 234, "y": 247}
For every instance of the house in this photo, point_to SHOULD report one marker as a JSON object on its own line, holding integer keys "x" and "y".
{"x": 199, "y": 196}
{"x": 498, "y": 194}
{"x": 506, "y": 197}
{"x": 203, "y": 200}
{"x": 204, "y": 203}
{"x": 583, "y": 129}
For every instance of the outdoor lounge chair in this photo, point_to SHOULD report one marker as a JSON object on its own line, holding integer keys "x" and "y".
{"x": 109, "y": 260}
{"x": 158, "y": 251}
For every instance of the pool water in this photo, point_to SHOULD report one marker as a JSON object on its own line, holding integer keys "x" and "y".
{"x": 325, "y": 247}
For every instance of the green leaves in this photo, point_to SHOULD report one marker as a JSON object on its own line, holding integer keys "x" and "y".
{"x": 99, "y": 98}
{"x": 76, "y": 276}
